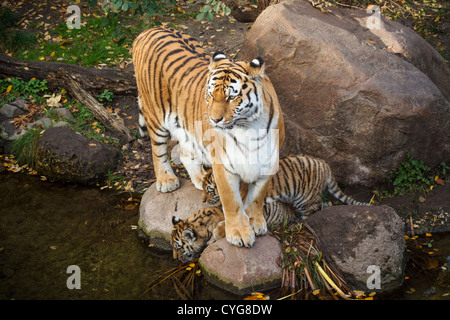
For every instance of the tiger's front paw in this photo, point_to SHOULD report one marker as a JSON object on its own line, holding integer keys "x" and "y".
{"x": 240, "y": 236}
{"x": 259, "y": 225}
{"x": 218, "y": 233}
{"x": 168, "y": 183}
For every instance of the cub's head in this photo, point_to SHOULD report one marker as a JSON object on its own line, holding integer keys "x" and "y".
{"x": 186, "y": 244}
{"x": 233, "y": 91}
{"x": 210, "y": 193}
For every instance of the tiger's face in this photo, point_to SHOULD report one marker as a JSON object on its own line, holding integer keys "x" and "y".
{"x": 210, "y": 194}
{"x": 186, "y": 244}
{"x": 233, "y": 91}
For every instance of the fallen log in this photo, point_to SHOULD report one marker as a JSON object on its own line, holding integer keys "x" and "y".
{"x": 78, "y": 81}
{"x": 96, "y": 108}
{"x": 92, "y": 80}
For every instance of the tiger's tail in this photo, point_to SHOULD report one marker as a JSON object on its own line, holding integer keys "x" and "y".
{"x": 334, "y": 189}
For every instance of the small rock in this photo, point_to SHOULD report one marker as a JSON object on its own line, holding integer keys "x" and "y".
{"x": 64, "y": 113}
{"x": 243, "y": 270}
{"x": 43, "y": 122}
{"x": 62, "y": 124}
{"x": 11, "y": 111}
{"x": 20, "y": 103}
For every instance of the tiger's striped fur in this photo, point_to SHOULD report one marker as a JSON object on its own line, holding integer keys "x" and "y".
{"x": 190, "y": 236}
{"x": 300, "y": 181}
{"x": 209, "y": 105}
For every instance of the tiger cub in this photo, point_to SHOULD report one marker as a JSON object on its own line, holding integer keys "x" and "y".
{"x": 300, "y": 181}
{"x": 191, "y": 236}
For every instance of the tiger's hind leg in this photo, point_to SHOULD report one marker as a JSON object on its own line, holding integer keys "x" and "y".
{"x": 166, "y": 180}
{"x": 311, "y": 207}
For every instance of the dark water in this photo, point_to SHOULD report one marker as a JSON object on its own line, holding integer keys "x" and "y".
{"x": 45, "y": 227}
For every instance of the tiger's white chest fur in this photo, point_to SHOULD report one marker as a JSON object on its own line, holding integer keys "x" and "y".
{"x": 251, "y": 152}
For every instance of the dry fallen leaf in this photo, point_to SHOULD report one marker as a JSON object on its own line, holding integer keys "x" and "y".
{"x": 54, "y": 100}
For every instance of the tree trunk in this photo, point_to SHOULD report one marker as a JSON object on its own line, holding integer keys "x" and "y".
{"x": 57, "y": 74}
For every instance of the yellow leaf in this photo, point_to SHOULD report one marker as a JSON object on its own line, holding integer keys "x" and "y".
{"x": 188, "y": 268}
{"x": 191, "y": 265}
{"x": 9, "y": 88}
{"x": 316, "y": 292}
{"x": 427, "y": 234}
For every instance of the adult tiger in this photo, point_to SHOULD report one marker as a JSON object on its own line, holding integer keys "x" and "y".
{"x": 224, "y": 114}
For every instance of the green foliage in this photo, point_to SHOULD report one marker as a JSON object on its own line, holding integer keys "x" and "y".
{"x": 84, "y": 118}
{"x": 99, "y": 40}
{"x": 12, "y": 88}
{"x": 412, "y": 175}
{"x": 24, "y": 148}
{"x": 11, "y": 39}
{"x": 105, "y": 96}
{"x": 211, "y": 7}
{"x": 444, "y": 170}
{"x": 148, "y": 8}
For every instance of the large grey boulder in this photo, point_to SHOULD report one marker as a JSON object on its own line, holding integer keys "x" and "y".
{"x": 356, "y": 97}
{"x": 363, "y": 243}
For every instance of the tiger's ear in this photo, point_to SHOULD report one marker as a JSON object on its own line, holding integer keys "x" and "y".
{"x": 256, "y": 68}
{"x": 216, "y": 58}
{"x": 175, "y": 220}
{"x": 189, "y": 235}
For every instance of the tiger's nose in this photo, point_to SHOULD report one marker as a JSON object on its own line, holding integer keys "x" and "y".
{"x": 216, "y": 120}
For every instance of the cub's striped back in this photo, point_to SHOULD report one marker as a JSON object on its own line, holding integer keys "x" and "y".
{"x": 300, "y": 181}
